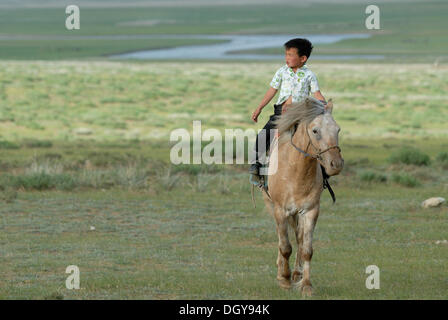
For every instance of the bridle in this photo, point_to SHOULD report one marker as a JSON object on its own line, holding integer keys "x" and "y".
{"x": 318, "y": 151}
{"x": 326, "y": 184}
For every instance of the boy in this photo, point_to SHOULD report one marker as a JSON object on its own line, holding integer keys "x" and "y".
{"x": 295, "y": 81}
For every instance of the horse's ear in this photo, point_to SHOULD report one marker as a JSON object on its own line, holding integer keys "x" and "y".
{"x": 329, "y": 106}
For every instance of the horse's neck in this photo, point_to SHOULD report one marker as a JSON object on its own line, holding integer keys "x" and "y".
{"x": 304, "y": 168}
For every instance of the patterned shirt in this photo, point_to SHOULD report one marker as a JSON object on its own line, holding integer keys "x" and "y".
{"x": 298, "y": 84}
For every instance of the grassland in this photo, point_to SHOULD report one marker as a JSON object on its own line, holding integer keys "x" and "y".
{"x": 410, "y": 30}
{"x": 208, "y": 245}
{"x": 170, "y": 232}
{"x": 85, "y": 176}
{"x": 85, "y": 49}
{"x": 147, "y": 100}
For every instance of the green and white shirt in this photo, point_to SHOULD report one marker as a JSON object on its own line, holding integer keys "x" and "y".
{"x": 298, "y": 84}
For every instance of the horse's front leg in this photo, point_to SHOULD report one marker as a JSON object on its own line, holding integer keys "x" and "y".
{"x": 307, "y": 222}
{"x": 284, "y": 249}
{"x": 298, "y": 230}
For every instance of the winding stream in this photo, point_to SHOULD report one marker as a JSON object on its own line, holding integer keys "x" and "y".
{"x": 226, "y": 51}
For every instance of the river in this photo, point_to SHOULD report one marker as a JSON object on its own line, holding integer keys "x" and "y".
{"x": 226, "y": 50}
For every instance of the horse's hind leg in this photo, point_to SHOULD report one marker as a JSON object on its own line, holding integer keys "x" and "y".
{"x": 284, "y": 249}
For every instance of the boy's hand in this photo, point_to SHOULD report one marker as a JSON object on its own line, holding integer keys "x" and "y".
{"x": 267, "y": 97}
{"x": 255, "y": 114}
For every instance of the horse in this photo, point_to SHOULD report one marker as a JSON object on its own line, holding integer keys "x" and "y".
{"x": 295, "y": 182}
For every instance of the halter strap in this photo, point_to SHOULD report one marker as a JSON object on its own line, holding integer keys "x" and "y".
{"x": 319, "y": 152}
{"x": 304, "y": 152}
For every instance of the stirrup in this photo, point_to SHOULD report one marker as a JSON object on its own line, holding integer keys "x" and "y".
{"x": 259, "y": 181}
{"x": 256, "y": 180}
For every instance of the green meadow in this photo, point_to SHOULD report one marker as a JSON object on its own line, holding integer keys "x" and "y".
{"x": 86, "y": 177}
{"x": 146, "y": 101}
{"x": 86, "y": 180}
{"x": 410, "y": 30}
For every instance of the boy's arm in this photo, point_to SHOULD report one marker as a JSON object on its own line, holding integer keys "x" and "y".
{"x": 267, "y": 98}
{"x": 314, "y": 86}
{"x": 318, "y": 95}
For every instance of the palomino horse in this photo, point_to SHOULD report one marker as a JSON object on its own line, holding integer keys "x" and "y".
{"x": 297, "y": 183}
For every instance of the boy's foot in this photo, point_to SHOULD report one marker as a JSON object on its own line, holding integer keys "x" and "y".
{"x": 255, "y": 169}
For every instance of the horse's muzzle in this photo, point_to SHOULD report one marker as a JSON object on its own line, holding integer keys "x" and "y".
{"x": 336, "y": 166}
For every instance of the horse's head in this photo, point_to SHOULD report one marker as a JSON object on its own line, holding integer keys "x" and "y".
{"x": 323, "y": 132}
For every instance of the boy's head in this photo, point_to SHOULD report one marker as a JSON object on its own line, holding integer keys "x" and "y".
{"x": 297, "y": 52}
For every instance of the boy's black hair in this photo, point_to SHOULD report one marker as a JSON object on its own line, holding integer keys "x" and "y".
{"x": 304, "y": 46}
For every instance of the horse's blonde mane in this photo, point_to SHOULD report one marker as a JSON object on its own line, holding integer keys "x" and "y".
{"x": 298, "y": 112}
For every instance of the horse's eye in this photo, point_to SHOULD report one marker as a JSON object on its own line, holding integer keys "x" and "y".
{"x": 315, "y": 131}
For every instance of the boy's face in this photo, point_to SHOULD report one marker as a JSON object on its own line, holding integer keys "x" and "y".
{"x": 293, "y": 59}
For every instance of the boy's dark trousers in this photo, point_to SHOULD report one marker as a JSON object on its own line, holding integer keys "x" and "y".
{"x": 265, "y": 135}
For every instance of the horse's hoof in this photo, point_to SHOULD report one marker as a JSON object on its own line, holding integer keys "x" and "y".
{"x": 296, "y": 276}
{"x": 307, "y": 291}
{"x": 304, "y": 287}
{"x": 284, "y": 283}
